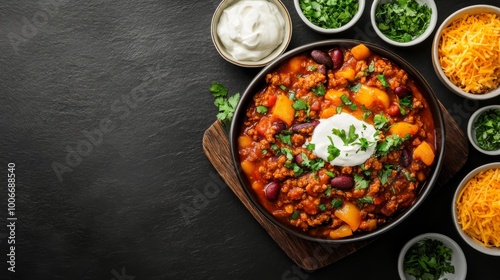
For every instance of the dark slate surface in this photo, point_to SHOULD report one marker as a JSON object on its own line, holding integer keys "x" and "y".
{"x": 125, "y": 85}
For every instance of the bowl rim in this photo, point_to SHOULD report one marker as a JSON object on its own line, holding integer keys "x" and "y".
{"x": 417, "y": 40}
{"x": 251, "y": 64}
{"x": 354, "y": 19}
{"x": 474, "y": 9}
{"x": 447, "y": 241}
{"x": 466, "y": 238}
{"x": 432, "y": 100}
{"x": 471, "y": 130}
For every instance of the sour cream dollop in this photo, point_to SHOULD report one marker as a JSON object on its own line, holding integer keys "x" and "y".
{"x": 251, "y": 30}
{"x": 350, "y": 154}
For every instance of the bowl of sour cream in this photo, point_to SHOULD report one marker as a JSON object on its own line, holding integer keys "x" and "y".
{"x": 251, "y": 33}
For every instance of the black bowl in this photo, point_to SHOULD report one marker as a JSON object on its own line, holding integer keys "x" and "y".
{"x": 259, "y": 81}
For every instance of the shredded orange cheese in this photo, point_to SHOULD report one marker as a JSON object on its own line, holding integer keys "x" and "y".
{"x": 478, "y": 208}
{"x": 469, "y": 52}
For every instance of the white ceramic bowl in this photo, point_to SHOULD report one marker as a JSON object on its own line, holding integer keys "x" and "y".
{"x": 457, "y": 258}
{"x": 415, "y": 41}
{"x": 471, "y": 242}
{"x": 471, "y": 131}
{"x": 476, "y": 9}
{"x": 344, "y": 27}
{"x": 264, "y": 61}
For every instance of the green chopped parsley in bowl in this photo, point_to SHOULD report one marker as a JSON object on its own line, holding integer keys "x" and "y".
{"x": 329, "y": 16}
{"x": 404, "y": 22}
{"x": 483, "y": 130}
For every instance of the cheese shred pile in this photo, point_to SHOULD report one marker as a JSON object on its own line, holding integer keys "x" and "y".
{"x": 469, "y": 52}
{"x": 478, "y": 208}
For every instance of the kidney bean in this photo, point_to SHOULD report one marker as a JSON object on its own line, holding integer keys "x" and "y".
{"x": 393, "y": 110}
{"x": 402, "y": 91}
{"x": 405, "y": 158}
{"x": 337, "y": 58}
{"x": 322, "y": 69}
{"x": 271, "y": 191}
{"x": 342, "y": 182}
{"x": 299, "y": 159}
{"x": 297, "y": 128}
{"x": 322, "y": 57}
{"x": 278, "y": 126}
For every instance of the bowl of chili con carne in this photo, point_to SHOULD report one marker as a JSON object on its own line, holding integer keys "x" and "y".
{"x": 338, "y": 141}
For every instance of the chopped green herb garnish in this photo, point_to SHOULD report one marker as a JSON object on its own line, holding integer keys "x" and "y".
{"x": 311, "y": 68}
{"x": 310, "y": 146}
{"x": 366, "y": 112}
{"x": 330, "y": 174}
{"x": 488, "y": 130}
{"x": 402, "y": 20}
{"x": 366, "y": 199}
{"x": 299, "y": 104}
{"x": 264, "y": 152}
{"x": 346, "y": 101}
{"x": 261, "y": 109}
{"x": 428, "y": 259}
{"x": 291, "y": 95}
{"x": 328, "y": 191}
{"x": 390, "y": 143}
{"x": 348, "y": 138}
{"x": 287, "y": 152}
{"x": 371, "y": 67}
{"x": 356, "y": 87}
{"x": 333, "y": 152}
{"x": 282, "y": 87}
{"x": 327, "y": 13}
{"x": 382, "y": 80}
{"x": 383, "y": 175}
{"x": 360, "y": 182}
{"x": 336, "y": 203}
{"x": 408, "y": 176}
{"x": 226, "y": 105}
{"x": 322, "y": 207}
{"x": 319, "y": 90}
{"x": 380, "y": 121}
{"x": 315, "y": 165}
{"x": 405, "y": 102}
{"x": 285, "y": 138}
{"x": 339, "y": 109}
{"x": 295, "y": 214}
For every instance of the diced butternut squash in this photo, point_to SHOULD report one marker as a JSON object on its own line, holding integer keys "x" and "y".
{"x": 248, "y": 167}
{"x": 425, "y": 153}
{"x": 328, "y": 112}
{"x": 258, "y": 186}
{"x": 360, "y": 52}
{"x": 342, "y": 231}
{"x": 334, "y": 96}
{"x": 296, "y": 64}
{"x": 347, "y": 73}
{"x": 283, "y": 109}
{"x": 350, "y": 214}
{"x": 245, "y": 141}
{"x": 403, "y": 128}
{"x": 372, "y": 97}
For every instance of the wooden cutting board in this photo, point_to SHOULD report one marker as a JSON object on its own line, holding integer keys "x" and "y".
{"x": 311, "y": 255}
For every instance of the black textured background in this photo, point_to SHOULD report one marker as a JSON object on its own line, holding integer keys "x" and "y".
{"x": 134, "y": 75}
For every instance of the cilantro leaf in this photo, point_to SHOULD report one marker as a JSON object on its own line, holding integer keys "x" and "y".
{"x": 380, "y": 121}
{"x": 428, "y": 259}
{"x": 261, "y": 109}
{"x": 333, "y": 152}
{"x": 327, "y": 13}
{"x": 218, "y": 90}
{"x": 319, "y": 90}
{"x": 382, "y": 80}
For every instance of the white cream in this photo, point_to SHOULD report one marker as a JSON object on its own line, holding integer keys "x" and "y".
{"x": 251, "y": 30}
{"x": 351, "y": 154}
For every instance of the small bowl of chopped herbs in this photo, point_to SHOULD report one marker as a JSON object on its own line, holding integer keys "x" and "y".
{"x": 432, "y": 256}
{"x": 483, "y": 130}
{"x": 329, "y": 17}
{"x": 403, "y": 23}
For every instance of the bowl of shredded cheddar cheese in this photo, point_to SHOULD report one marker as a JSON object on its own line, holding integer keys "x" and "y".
{"x": 476, "y": 209}
{"x": 466, "y": 52}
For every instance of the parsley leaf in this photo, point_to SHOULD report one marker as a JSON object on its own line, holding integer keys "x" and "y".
{"x": 428, "y": 259}
{"x": 261, "y": 109}
{"x": 382, "y": 80}
{"x": 380, "y": 121}
{"x": 360, "y": 182}
{"x": 285, "y": 137}
{"x": 310, "y": 146}
{"x": 366, "y": 199}
{"x": 226, "y": 106}
{"x": 319, "y": 91}
{"x": 366, "y": 112}
{"x": 336, "y": 203}
{"x": 327, "y": 13}
{"x": 346, "y": 101}
{"x": 390, "y": 143}
{"x": 349, "y": 138}
{"x": 333, "y": 152}
{"x": 402, "y": 20}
